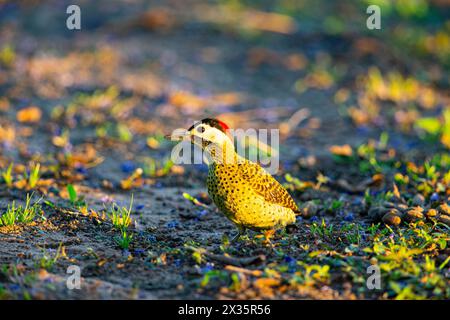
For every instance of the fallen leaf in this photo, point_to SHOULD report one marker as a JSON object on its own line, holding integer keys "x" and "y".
{"x": 29, "y": 115}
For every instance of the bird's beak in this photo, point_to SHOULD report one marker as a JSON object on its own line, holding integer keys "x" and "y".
{"x": 178, "y": 135}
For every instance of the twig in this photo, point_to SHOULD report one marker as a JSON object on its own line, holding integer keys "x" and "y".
{"x": 255, "y": 273}
{"x": 234, "y": 261}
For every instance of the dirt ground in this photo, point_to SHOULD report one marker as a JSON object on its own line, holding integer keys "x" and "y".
{"x": 91, "y": 106}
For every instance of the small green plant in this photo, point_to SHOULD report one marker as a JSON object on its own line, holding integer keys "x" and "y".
{"x": 430, "y": 171}
{"x": 124, "y": 240}
{"x": 236, "y": 282}
{"x": 74, "y": 199}
{"x": 435, "y": 128}
{"x": 121, "y": 216}
{"x": 4, "y": 294}
{"x": 10, "y": 216}
{"x": 194, "y": 200}
{"x": 7, "y": 176}
{"x": 27, "y": 214}
{"x": 20, "y": 214}
{"x": 48, "y": 259}
{"x": 322, "y": 229}
{"x": 7, "y": 56}
{"x": 335, "y": 205}
{"x": 72, "y": 193}
{"x": 312, "y": 274}
{"x": 121, "y": 219}
{"x": 150, "y": 167}
{"x": 124, "y": 133}
{"x": 405, "y": 293}
{"x": 373, "y": 229}
{"x": 168, "y": 164}
{"x": 154, "y": 169}
{"x": 352, "y": 233}
{"x": 217, "y": 275}
{"x": 383, "y": 141}
{"x": 368, "y": 199}
{"x": 33, "y": 178}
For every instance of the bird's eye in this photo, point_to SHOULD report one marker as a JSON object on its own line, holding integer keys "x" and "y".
{"x": 201, "y": 129}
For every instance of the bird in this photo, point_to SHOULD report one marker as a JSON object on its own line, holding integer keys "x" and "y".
{"x": 242, "y": 190}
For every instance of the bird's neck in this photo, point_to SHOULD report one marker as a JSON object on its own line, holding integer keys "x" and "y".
{"x": 224, "y": 154}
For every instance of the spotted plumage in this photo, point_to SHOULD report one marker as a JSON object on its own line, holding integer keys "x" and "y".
{"x": 250, "y": 197}
{"x": 242, "y": 190}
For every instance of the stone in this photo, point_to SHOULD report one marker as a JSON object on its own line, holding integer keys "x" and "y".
{"x": 444, "y": 219}
{"x": 309, "y": 209}
{"x": 414, "y": 215}
{"x": 431, "y": 213}
{"x": 418, "y": 200}
{"x": 377, "y": 212}
{"x": 444, "y": 209}
{"x": 391, "y": 219}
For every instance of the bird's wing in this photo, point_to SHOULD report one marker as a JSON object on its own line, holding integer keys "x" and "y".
{"x": 266, "y": 185}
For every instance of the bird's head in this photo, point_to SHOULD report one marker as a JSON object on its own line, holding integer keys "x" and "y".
{"x": 205, "y": 133}
{"x": 213, "y": 137}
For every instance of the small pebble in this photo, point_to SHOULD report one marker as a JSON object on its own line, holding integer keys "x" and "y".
{"x": 418, "y": 200}
{"x": 388, "y": 204}
{"x": 139, "y": 251}
{"x": 127, "y": 167}
{"x": 418, "y": 209}
{"x": 431, "y": 213}
{"x": 396, "y": 212}
{"x": 350, "y": 217}
{"x": 377, "y": 212}
{"x": 444, "y": 219}
{"x": 414, "y": 214}
{"x": 82, "y": 170}
{"x": 391, "y": 219}
{"x": 126, "y": 253}
{"x": 444, "y": 209}
{"x": 172, "y": 224}
{"x": 402, "y": 207}
{"x": 289, "y": 259}
{"x": 309, "y": 209}
{"x": 434, "y": 197}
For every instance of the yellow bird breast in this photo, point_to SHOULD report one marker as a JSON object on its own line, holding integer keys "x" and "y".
{"x": 237, "y": 198}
